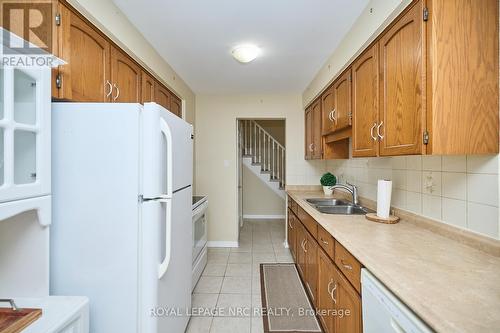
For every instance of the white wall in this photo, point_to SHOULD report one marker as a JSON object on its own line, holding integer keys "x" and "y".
{"x": 258, "y": 198}
{"x": 216, "y": 153}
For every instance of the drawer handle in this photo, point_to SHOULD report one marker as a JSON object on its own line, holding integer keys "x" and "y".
{"x": 346, "y": 266}
{"x": 290, "y": 224}
{"x": 328, "y": 287}
{"x": 305, "y": 243}
{"x": 331, "y": 293}
{"x": 323, "y": 241}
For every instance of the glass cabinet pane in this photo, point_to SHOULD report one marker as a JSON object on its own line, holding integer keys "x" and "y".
{"x": 24, "y": 98}
{"x": 1, "y": 94}
{"x": 24, "y": 157}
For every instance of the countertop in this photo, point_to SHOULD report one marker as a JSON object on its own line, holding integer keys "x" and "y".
{"x": 451, "y": 286}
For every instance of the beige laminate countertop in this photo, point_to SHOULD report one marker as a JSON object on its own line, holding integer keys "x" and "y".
{"x": 451, "y": 286}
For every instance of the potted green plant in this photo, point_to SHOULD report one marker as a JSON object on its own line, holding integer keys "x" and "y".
{"x": 328, "y": 180}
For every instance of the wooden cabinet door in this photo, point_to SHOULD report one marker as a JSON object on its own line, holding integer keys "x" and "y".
{"x": 148, "y": 88}
{"x": 292, "y": 240}
{"x": 327, "y": 106}
{"x": 316, "y": 132}
{"x": 301, "y": 254}
{"x": 324, "y": 302}
{"x": 342, "y": 101}
{"x": 125, "y": 77}
{"x": 308, "y": 134}
{"x": 365, "y": 104}
{"x": 311, "y": 249}
{"x": 162, "y": 96}
{"x": 346, "y": 298}
{"x": 402, "y": 88}
{"x": 175, "y": 105}
{"x": 86, "y": 75}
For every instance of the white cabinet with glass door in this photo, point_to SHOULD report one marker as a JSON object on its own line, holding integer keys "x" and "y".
{"x": 24, "y": 137}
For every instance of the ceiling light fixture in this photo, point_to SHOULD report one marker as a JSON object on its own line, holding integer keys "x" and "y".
{"x": 245, "y": 53}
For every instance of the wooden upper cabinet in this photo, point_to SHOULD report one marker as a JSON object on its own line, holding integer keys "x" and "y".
{"x": 462, "y": 76}
{"x": 176, "y": 105}
{"x": 308, "y": 121}
{"x": 162, "y": 96}
{"x": 148, "y": 88}
{"x": 402, "y": 90}
{"x": 316, "y": 133}
{"x": 125, "y": 77}
{"x": 342, "y": 101}
{"x": 327, "y": 106}
{"x": 86, "y": 75}
{"x": 365, "y": 104}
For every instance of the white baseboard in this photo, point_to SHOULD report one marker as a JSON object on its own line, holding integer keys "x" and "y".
{"x": 262, "y": 217}
{"x": 222, "y": 244}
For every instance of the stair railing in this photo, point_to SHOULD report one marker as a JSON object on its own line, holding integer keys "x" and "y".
{"x": 264, "y": 150}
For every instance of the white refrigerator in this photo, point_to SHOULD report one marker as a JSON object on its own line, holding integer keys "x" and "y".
{"x": 121, "y": 232}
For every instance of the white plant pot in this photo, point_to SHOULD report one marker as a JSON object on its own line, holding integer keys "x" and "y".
{"x": 327, "y": 190}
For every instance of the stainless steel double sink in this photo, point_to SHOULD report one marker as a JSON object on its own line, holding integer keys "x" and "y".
{"x": 336, "y": 206}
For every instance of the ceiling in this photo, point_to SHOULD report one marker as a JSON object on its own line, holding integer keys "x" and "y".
{"x": 196, "y": 38}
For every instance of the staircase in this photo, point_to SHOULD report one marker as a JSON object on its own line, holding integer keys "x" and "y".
{"x": 262, "y": 155}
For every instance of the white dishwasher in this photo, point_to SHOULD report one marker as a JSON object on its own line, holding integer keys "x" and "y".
{"x": 383, "y": 312}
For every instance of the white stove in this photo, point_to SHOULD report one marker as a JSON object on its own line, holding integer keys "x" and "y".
{"x": 200, "y": 204}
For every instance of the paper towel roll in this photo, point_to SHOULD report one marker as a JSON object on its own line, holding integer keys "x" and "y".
{"x": 384, "y": 192}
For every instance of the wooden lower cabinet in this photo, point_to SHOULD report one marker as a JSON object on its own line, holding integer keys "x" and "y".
{"x": 292, "y": 235}
{"x": 311, "y": 248}
{"x": 338, "y": 303}
{"x": 301, "y": 237}
{"x": 325, "y": 303}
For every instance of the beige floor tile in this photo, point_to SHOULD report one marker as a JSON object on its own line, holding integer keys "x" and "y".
{"x": 284, "y": 259}
{"x": 230, "y": 325}
{"x": 214, "y": 270}
{"x": 218, "y": 257}
{"x": 256, "y": 285}
{"x": 240, "y": 258}
{"x": 199, "y": 325}
{"x": 234, "y": 305}
{"x": 266, "y": 257}
{"x": 218, "y": 249}
{"x": 236, "y": 285}
{"x": 239, "y": 270}
{"x": 208, "y": 285}
{"x": 208, "y": 301}
{"x": 257, "y": 325}
{"x": 257, "y": 248}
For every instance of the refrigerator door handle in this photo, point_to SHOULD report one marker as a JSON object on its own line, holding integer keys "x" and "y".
{"x": 168, "y": 237}
{"x": 165, "y": 131}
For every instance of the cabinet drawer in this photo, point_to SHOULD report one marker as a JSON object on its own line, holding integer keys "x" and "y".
{"x": 326, "y": 241}
{"x": 308, "y": 222}
{"x": 349, "y": 265}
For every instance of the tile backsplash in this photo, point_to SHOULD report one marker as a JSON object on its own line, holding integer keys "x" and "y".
{"x": 458, "y": 190}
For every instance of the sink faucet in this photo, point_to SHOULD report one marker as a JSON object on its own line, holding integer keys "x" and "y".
{"x": 348, "y": 188}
